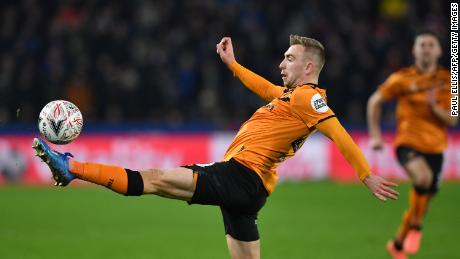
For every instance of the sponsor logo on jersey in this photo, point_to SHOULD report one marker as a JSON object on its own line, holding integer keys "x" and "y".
{"x": 318, "y": 103}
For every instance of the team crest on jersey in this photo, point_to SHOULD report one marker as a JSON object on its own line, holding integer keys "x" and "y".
{"x": 318, "y": 104}
{"x": 286, "y": 97}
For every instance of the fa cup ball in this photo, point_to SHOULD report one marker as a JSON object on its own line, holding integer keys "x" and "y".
{"x": 60, "y": 122}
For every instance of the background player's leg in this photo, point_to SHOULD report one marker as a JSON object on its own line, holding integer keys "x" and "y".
{"x": 409, "y": 235}
{"x": 420, "y": 173}
{"x": 242, "y": 249}
{"x": 422, "y": 178}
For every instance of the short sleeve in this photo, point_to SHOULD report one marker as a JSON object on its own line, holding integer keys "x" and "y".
{"x": 391, "y": 88}
{"x": 310, "y": 106}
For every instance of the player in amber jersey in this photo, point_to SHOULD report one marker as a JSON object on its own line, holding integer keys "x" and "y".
{"x": 241, "y": 182}
{"x": 422, "y": 92}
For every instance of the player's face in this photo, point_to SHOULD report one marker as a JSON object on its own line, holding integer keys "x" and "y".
{"x": 293, "y": 66}
{"x": 426, "y": 49}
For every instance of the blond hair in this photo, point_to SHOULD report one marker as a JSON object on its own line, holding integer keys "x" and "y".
{"x": 313, "y": 48}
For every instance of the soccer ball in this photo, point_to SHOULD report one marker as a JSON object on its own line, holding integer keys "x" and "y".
{"x": 60, "y": 122}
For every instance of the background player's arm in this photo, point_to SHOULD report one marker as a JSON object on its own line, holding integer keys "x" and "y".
{"x": 251, "y": 80}
{"x": 379, "y": 187}
{"x": 374, "y": 111}
{"x": 390, "y": 89}
{"x": 444, "y": 116}
{"x": 439, "y": 111}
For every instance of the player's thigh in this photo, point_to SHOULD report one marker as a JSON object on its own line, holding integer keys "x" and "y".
{"x": 415, "y": 165}
{"x": 419, "y": 171}
{"x": 174, "y": 183}
{"x": 243, "y": 249}
{"x": 240, "y": 226}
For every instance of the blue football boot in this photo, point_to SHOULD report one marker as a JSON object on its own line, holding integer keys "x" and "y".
{"x": 57, "y": 162}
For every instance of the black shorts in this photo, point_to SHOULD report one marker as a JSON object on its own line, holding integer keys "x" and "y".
{"x": 434, "y": 161}
{"x": 237, "y": 190}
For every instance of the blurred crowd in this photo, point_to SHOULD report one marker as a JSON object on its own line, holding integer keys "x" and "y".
{"x": 155, "y": 61}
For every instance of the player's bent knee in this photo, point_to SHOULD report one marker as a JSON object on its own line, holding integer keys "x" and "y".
{"x": 243, "y": 249}
{"x": 424, "y": 182}
{"x": 423, "y": 185}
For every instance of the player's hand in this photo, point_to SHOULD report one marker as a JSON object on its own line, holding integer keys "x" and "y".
{"x": 432, "y": 94}
{"x": 225, "y": 50}
{"x": 376, "y": 143}
{"x": 381, "y": 188}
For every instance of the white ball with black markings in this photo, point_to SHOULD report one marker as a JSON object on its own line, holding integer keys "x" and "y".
{"x": 60, "y": 122}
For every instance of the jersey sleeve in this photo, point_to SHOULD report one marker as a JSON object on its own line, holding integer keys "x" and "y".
{"x": 259, "y": 85}
{"x": 391, "y": 88}
{"x": 334, "y": 131}
{"x": 310, "y": 106}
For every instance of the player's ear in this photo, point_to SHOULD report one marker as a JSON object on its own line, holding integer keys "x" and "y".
{"x": 439, "y": 50}
{"x": 309, "y": 68}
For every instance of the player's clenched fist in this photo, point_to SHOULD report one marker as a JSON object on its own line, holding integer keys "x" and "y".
{"x": 225, "y": 50}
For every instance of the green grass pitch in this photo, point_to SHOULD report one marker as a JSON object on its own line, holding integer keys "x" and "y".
{"x": 300, "y": 220}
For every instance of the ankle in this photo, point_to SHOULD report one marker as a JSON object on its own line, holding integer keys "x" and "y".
{"x": 76, "y": 167}
{"x": 416, "y": 227}
{"x": 398, "y": 245}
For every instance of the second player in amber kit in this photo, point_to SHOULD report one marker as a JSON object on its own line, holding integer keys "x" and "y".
{"x": 422, "y": 92}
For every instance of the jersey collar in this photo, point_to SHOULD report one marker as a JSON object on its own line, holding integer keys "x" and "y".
{"x": 312, "y": 85}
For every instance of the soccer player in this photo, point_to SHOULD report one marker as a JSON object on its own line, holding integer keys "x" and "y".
{"x": 246, "y": 176}
{"x": 423, "y": 99}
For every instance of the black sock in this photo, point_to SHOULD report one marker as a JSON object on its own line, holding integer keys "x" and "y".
{"x": 416, "y": 227}
{"x": 135, "y": 183}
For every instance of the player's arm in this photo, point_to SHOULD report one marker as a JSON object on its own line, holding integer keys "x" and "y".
{"x": 439, "y": 108}
{"x": 251, "y": 80}
{"x": 444, "y": 116}
{"x": 374, "y": 111}
{"x": 390, "y": 89}
{"x": 379, "y": 187}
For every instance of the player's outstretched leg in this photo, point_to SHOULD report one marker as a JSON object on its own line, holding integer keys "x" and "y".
{"x": 176, "y": 183}
{"x": 57, "y": 162}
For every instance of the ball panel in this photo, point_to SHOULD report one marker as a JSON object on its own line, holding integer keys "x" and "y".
{"x": 60, "y": 122}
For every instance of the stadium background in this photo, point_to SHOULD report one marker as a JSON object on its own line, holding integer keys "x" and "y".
{"x": 154, "y": 93}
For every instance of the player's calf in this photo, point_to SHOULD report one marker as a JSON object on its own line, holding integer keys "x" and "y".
{"x": 115, "y": 178}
